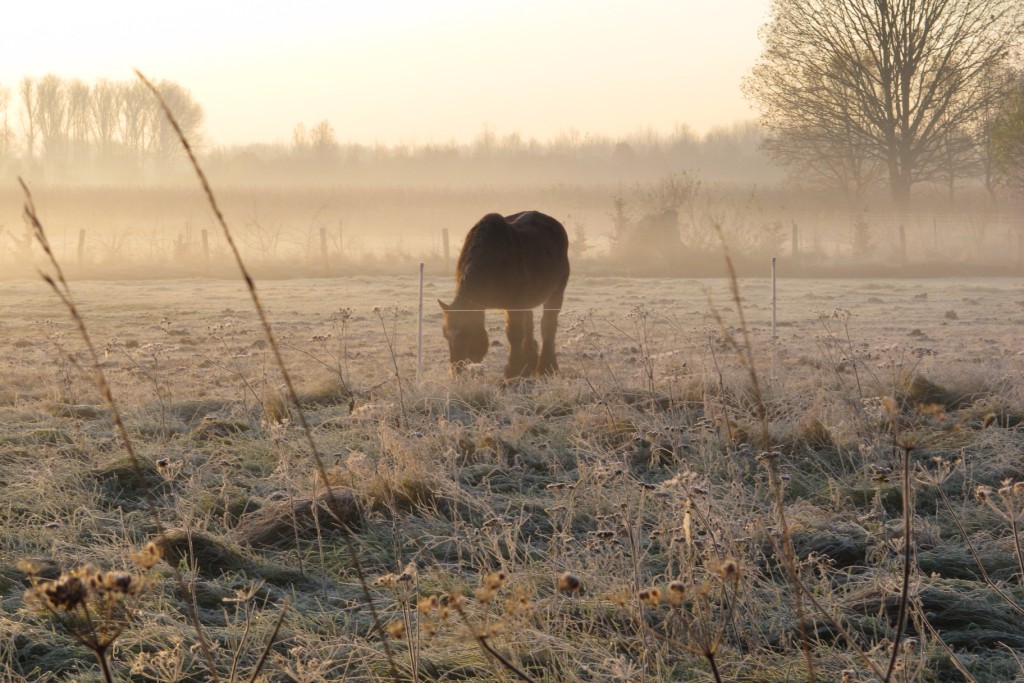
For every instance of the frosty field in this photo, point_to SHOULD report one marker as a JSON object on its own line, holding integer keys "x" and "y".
{"x": 643, "y": 470}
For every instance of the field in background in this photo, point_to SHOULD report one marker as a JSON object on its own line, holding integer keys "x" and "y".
{"x": 636, "y": 466}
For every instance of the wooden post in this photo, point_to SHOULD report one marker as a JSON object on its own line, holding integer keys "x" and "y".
{"x": 81, "y": 248}
{"x": 323, "y": 251}
{"x": 1020, "y": 248}
{"x": 341, "y": 239}
{"x": 796, "y": 240}
{"x": 206, "y": 250}
{"x": 444, "y": 242}
{"x": 903, "y": 245}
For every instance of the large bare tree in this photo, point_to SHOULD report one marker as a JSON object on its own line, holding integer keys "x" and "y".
{"x": 849, "y": 86}
{"x": 188, "y": 113}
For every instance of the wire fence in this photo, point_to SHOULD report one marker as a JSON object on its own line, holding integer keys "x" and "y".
{"x": 976, "y": 238}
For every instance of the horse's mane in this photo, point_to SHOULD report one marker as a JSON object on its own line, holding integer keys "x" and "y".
{"x": 478, "y": 250}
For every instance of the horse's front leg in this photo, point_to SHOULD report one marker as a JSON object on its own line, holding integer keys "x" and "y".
{"x": 522, "y": 347}
{"x": 548, "y": 326}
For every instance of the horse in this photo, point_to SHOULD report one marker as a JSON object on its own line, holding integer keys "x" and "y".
{"x": 515, "y": 263}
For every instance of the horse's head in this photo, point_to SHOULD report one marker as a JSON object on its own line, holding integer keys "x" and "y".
{"x": 466, "y": 335}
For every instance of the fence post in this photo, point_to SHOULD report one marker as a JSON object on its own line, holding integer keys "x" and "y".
{"x": 444, "y": 242}
{"x": 773, "y": 299}
{"x": 81, "y": 248}
{"x": 903, "y": 245}
{"x": 1020, "y": 248}
{"x": 796, "y": 240}
{"x": 419, "y": 333}
{"x": 323, "y": 251}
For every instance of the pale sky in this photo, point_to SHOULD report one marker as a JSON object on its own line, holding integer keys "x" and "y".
{"x": 393, "y": 71}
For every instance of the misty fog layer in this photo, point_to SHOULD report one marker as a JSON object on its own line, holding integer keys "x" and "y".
{"x": 120, "y": 200}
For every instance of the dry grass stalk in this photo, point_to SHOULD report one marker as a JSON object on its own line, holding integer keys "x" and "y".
{"x": 59, "y": 284}
{"x": 278, "y": 358}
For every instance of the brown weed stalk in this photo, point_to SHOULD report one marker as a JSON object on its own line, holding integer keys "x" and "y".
{"x": 268, "y": 334}
{"x": 59, "y": 284}
{"x": 908, "y": 529}
{"x": 746, "y": 353}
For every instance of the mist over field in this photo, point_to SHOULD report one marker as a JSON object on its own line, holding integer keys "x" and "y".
{"x": 645, "y": 205}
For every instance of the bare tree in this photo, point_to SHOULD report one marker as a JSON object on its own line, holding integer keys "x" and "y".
{"x": 300, "y": 138}
{"x": 5, "y": 124}
{"x": 27, "y": 90}
{"x": 323, "y": 141}
{"x": 79, "y": 124}
{"x": 853, "y": 83}
{"x": 52, "y": 115}
{"x": 134, "y": 104}
{"x": 188, "y": 113}
{"x": 103, "y": 103}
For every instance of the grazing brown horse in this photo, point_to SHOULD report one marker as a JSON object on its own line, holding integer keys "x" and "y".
{"x": 516, "y": 263}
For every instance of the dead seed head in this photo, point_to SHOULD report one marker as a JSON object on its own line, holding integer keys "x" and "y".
{"x": 29, "y": 567}
{"x": 983, "y": 493}
{"x": 676, "y": 593}
{"x": 396, "y": 629}
{"x": 729, "y": 569}
{"x": 444, "y": 607}
{"x": 518, "y": 604}
{"x": 495, "y": 580}
{"x": 148, "y": 557}
{"x": 121, "y": 582}
{"x": 67, "y": 593}
{"x": 620, "y": 598}
{"x": 650, "y": 596}
{"x": 890, "y": 406}
{"x": 408, "y": 574}
{"x": 909, "y": 442}
{"x": 455, "y": 601}
{"x": 568, "y": 583}
{"x": 385, "y": 581}
{"x": 427, "y": 605}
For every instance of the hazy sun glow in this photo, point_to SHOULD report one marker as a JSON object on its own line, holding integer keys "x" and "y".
{"x": 402, "y": 71}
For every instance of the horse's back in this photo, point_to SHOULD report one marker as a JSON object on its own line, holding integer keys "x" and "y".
{"x": 542, "y": 227}
{"x": 513, "y": 261}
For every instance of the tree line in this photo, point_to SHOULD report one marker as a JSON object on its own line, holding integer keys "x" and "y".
{"x": 315, "y": 154}
{"x": 60, "y": 126}
{"x": 68, "y": 130}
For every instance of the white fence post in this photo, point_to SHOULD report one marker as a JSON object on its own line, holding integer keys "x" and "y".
{"x": 773, "y": 298}
{"x": 419, "y": 332}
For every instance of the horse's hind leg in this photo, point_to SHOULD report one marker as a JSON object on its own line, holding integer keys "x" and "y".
{"x": 548, "y": 326}
{"x": 522, "y": 347}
